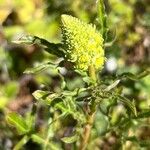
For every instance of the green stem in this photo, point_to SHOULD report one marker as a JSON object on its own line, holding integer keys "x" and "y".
{"x": 90, "y": 118}
{"x": 92, "y": 73}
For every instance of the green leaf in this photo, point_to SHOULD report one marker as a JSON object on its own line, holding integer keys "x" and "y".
{"x": 113, "y": 85}
{"x": 22, "y": 142}
{"x": 70, "y": 139}
{"x": 68, "y": 107}
{"x": 81, "y": 72}
{"x": 17, "y": 121}
{"x": 26, "y": 39}
{"x": 46, "y": 96}
{"x": 88, "y": 80}
{"x": 102, "y": 18}
{"x": 129, "y": 104}
{"x": 40, "y": 68}
{"x": 52, "y": 48}
{"x": 144, "y": 74}
{"x": 40, "y": 94}
{"x": 65, "y": 102}
{"x": 61, "y": 106}
{"x": 128, "y": 75}
{"x": 72, "y": 93}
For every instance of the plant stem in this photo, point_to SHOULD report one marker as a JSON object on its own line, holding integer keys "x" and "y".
{"x": 87, "y": 131}
{"x": 92, "y": 73}
{"x": 90, "y": 118}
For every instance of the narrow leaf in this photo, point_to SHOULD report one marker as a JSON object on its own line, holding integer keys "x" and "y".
{"x": 102, "y": 18}
{"x": 52, "y": 48}
{"x": 17, "y": 121}
{"x": 25, "y": 40}
{"x": 129, "y": 104}
{"x": 39, "y": 68}
{"x": 46, "y": 96}
{"x": 144, "y": 74}
{"x": 70, "y": 139}
{"x": 128, "y": 75}
{"x": 113, "y": 85}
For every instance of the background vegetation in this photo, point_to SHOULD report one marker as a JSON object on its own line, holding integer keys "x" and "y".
{"x": 129, "y": 24}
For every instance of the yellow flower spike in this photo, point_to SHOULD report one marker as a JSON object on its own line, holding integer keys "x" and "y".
{"x": 83, "y": 44}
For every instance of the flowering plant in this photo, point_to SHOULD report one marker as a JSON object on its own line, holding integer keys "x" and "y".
{"x": 83, "y": 46}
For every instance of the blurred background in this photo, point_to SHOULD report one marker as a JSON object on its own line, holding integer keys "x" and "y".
{"x": 129, "y": 24}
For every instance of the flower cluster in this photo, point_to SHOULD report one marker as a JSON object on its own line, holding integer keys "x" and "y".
{"x": 83, "y": 44}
